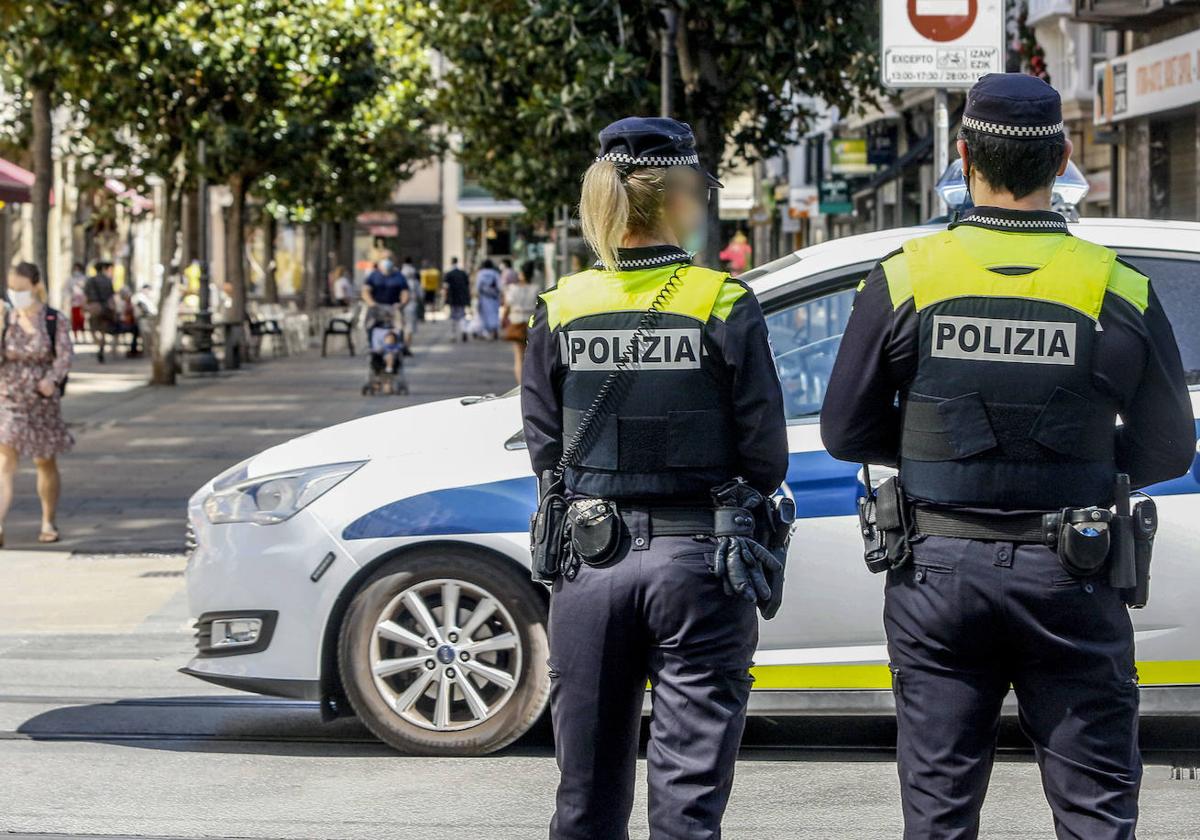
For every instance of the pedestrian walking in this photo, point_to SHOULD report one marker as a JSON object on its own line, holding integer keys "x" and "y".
{"x": 386, "y": 289}
{"x": 431, "y": 281}
{"x": 508, "y": 274}
{"x": 410, "y": 310}
{"x": 458, "y": 297}
{"x": 990, "y": 362}
{"x": 75, "y": 301}
{"x": 101, "y": 305}
{"x": 35, "y": 356}
{"x": 520, "y": 299}
{"x": 646, "y": 592}
{"x": 488, "y": 292}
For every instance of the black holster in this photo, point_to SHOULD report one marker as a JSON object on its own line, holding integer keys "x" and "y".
{"x": 548, "y": 532}
{"x": 886, "y": 524}
{"x": 1133, "y": 545}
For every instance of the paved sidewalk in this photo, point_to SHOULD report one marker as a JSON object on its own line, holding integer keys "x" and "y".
{"x": 141, "y": 451}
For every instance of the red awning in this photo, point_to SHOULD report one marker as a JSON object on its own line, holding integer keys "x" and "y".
{"x": 16, "y": 183}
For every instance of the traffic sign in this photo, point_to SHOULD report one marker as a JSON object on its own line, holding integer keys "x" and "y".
{"x": 941, "y": 43}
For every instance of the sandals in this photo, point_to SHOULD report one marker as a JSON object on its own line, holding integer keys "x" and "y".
{"x": 47, "y": 535}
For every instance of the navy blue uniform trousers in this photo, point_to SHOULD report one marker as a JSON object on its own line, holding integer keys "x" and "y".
{"x": 967, "y": 620}
{"x": 657, "y": 613}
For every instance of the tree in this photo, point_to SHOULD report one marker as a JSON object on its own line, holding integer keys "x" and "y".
{"x": 379, "y": 142}
{"x": 281, "y": 74}
{"x": 527, "y": 86}
{"x": 44, "y": 42}
{"x": 145, "y": 100}
{"x": 561, "y": 70}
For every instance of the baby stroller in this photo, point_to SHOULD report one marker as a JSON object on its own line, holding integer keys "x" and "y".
{"x": 386, "y": 357}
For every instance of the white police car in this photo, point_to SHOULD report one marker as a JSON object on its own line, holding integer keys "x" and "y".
{"x": 389, "y": 578}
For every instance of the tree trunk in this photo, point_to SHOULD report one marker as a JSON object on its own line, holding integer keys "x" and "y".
{"x": 235, "y": 272}
{"x": 710, "y": 143}
{"x": 270, "y": 281}
{"x": 346, "y": 246}
{"x": 43, "y": 176}
{"x": 703, "y": 106}
{"x": 188, "y": 230}
{"x": 312, "y": 274}
{"x": 161, "y": 339}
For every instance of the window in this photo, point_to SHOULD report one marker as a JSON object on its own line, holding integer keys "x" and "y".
{"x": 1176, "y": 282}
{"x": 805, "y": 337}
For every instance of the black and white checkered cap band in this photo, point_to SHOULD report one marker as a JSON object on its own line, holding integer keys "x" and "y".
{"x": 651, "y": 262}
{"x": 1016, "y": 224}
{"x": 652, "y": 160}
{"x": 1012, "y": 130}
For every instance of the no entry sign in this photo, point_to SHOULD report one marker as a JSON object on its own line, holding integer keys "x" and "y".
{"x": 941, "y": 43}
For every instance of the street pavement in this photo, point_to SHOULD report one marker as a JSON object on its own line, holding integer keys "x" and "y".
{"x": 141, "y": 452}
{"x": 101, "y": 737}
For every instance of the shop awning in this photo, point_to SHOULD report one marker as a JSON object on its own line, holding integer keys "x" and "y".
{"x": 490, "y": 207}
{"x": 16, "y": 183}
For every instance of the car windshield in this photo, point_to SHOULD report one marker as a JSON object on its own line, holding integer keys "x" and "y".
{"x": 1175, "y": 283}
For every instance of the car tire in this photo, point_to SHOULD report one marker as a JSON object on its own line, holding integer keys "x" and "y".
{"x": 377, "y": 634}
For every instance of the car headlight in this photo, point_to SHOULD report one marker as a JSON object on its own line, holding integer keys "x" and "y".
{"x": 268, "y": 499}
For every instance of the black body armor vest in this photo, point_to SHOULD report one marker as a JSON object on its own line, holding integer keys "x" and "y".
{"x": 671, "y": 438}
{"x": 1003, "y": 411}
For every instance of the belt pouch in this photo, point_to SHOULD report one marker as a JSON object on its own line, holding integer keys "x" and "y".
{"x": 1084, "y": 540}
{"x": 595, "y": 529}
{"x": 546, "y": 537}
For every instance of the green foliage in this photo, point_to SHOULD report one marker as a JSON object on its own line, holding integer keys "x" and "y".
{"x": 529, "y": 83}
{"x": 323, "y": 103}
{"x": 357, "y": 160}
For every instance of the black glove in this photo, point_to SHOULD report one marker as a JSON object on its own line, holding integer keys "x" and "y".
{"x": 743, "y": 566}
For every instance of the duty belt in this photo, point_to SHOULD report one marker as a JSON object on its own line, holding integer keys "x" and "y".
{"x": 1018, "y": 528}
{"x": 671, "y": 521}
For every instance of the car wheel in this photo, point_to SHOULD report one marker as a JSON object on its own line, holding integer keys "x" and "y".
{"x": 444, "y": 653}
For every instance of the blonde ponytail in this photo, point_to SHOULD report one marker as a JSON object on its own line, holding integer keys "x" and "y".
{"x": 612, "y": 206}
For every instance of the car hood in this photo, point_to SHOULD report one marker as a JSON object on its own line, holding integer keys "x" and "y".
{"x": 457, "y": 424}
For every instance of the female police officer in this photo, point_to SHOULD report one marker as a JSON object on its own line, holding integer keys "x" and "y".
{"x": 700, "y": 405}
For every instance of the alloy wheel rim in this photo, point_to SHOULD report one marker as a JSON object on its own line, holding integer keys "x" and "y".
{"x": 445, "y": 655}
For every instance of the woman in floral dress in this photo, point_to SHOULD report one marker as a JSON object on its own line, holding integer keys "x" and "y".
{"x": 31, "y": 376}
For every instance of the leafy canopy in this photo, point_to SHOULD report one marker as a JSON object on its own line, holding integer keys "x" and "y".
{"x": 529, "y": 83}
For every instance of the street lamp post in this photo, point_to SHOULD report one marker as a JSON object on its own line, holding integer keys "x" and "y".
{"x": 202, "y": 359}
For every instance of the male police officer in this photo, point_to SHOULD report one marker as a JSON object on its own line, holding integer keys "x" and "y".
{"x": 1012, "y": 347}
{"x": 640, "y": 597}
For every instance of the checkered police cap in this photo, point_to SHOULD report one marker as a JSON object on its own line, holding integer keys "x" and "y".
{"x": 1013, "y": 105}
{"x": 651, "y": 141}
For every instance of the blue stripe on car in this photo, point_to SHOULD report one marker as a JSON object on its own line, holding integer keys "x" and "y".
{"x": 498, "y": 507}
{"x": 821, "y": 486}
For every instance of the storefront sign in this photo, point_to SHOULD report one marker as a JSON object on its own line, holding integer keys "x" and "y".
{"x": 803, "y": 202}
{"x": 881, "y": 143}
{"x": 1149, "y": 80}
{"x": 848, "y": 156}
{"x": 377, "y": 217}
{"x": 835, "y": 197}
{"x": 941, "y": 43}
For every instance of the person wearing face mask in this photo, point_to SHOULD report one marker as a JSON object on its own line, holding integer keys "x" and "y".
{"x": 35, "y": 356}
{"x": 648, "y": 590}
